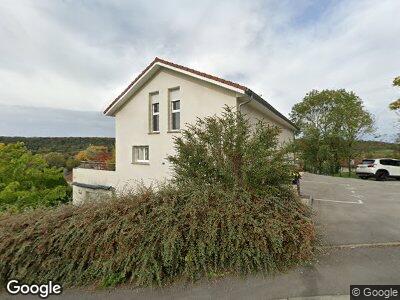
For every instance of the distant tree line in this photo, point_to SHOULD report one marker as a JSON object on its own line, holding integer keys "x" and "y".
{"x": 67, "y": 152}
{"x": 65, "y": 145}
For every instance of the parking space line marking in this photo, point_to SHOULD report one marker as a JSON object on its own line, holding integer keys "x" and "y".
{"x": 322, "y": 182}
{"x": 339, "y": 201}
{"x": 352, "y": 246}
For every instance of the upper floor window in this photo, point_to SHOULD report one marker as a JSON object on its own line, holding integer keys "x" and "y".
{"x": 175, "y": 109}
{"x": 155, "y": 112}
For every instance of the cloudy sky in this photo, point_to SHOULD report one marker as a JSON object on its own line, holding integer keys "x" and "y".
{"x": 80, "y": 54}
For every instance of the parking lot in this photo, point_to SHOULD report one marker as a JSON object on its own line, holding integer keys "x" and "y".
{"x": 355, "y": 211}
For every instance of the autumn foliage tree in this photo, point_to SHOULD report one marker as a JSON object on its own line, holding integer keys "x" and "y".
{"x": 98, "y": 154}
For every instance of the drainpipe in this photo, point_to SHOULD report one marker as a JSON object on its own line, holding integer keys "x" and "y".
{"x": 246, "y": 102}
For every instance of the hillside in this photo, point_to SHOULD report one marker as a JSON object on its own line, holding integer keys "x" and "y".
{"x": 67, "y": 145}
{"x": 377, "y": 149}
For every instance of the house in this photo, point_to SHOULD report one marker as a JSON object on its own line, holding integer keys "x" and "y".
{"x": 152, "y": 110}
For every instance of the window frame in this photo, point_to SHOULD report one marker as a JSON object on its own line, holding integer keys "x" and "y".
{"x": 175, "y": 111}
{"x": 155, "y": 114}
{"x": 172, "y": 111}
{"x": 152, "y": 113}
{"x": 141, "y": 161}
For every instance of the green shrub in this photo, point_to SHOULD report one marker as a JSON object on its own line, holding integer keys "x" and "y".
{"x": 238, "y": 219}
{"x": 156, "y": 237}
{"x": 27, "y": 181}
{"x": 231, "y": 152}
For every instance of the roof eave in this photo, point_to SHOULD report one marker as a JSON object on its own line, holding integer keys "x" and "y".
{"x": 260, "y": 100}
{"x": 157, "y": 63}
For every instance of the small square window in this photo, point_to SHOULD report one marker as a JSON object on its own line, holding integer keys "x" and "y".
{"x": 140, "y": 154}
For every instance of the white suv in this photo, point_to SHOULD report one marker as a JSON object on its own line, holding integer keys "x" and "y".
{"x": 380, "y": 168}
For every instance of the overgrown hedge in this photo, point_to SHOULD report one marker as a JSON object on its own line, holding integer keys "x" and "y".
{"x": 156, "y": 237}
{"x": 229, "y": 209}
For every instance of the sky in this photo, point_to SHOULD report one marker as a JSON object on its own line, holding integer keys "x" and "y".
{"x": 79, "y": 55}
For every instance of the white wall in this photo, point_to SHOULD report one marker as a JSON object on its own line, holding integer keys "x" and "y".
{"x": 254, "y": 111}
{"x": 93, "y": 177}
{"x": 198, "y": 99}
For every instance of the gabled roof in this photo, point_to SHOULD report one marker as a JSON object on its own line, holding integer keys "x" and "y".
{"x": 158, "y": 62}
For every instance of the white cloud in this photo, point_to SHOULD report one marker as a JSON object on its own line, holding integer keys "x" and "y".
{"x": 81, "y": 54}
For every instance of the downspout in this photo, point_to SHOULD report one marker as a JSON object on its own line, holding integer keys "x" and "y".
{"x": 246, "y": 102}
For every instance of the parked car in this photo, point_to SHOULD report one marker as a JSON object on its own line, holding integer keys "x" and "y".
{"x": 381, "y": 168}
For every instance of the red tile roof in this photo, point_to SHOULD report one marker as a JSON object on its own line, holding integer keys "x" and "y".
{"x": 157, "y": 59}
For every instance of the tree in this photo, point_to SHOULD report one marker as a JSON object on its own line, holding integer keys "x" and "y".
{"x": 395, "y": 105}
{"x": 94, "y": 153}
{"x": 330, "y": 122}
{"x": 352, "y": 122}
{"x": 98, "y": 154}
{"x": 314, "y": 116}
{"x": 228, "y": 152}
{"x": 55, "y": 159}
{"x": 26, "y": 180}
{"x": 71, "y": 163}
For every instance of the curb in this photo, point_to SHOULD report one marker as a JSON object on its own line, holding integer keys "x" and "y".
{"x": 325, "y": 297}
{"x": 370, "y": 245}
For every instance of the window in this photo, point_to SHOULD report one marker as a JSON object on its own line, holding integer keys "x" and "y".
{"x": 175, "y": 110}
{"x": 155, "y": 113}
{"x": 368, "y": 161}
{"x": 176, "y": 114}
{"x": 386, "y": 162}
{"x": 155, "y": 117}
{"x": 140, "y": 154}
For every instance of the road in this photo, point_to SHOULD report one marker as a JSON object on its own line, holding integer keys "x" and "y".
{"x": 359, "y": 218}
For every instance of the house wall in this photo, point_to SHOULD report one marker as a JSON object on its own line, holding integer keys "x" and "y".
{"x": 255, "y": 112}
{"x": 93, "y": 177}
{"x": 198, "y": 99}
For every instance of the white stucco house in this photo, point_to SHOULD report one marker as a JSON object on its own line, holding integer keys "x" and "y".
{"x": 152, "y": 109}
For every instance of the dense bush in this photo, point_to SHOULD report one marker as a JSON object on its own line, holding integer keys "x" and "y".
{"x": 229, "y": 209}
{"x": 231, "y": 152}
{"x": 27, "y": 181}
{"x": 156, "y": 237}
